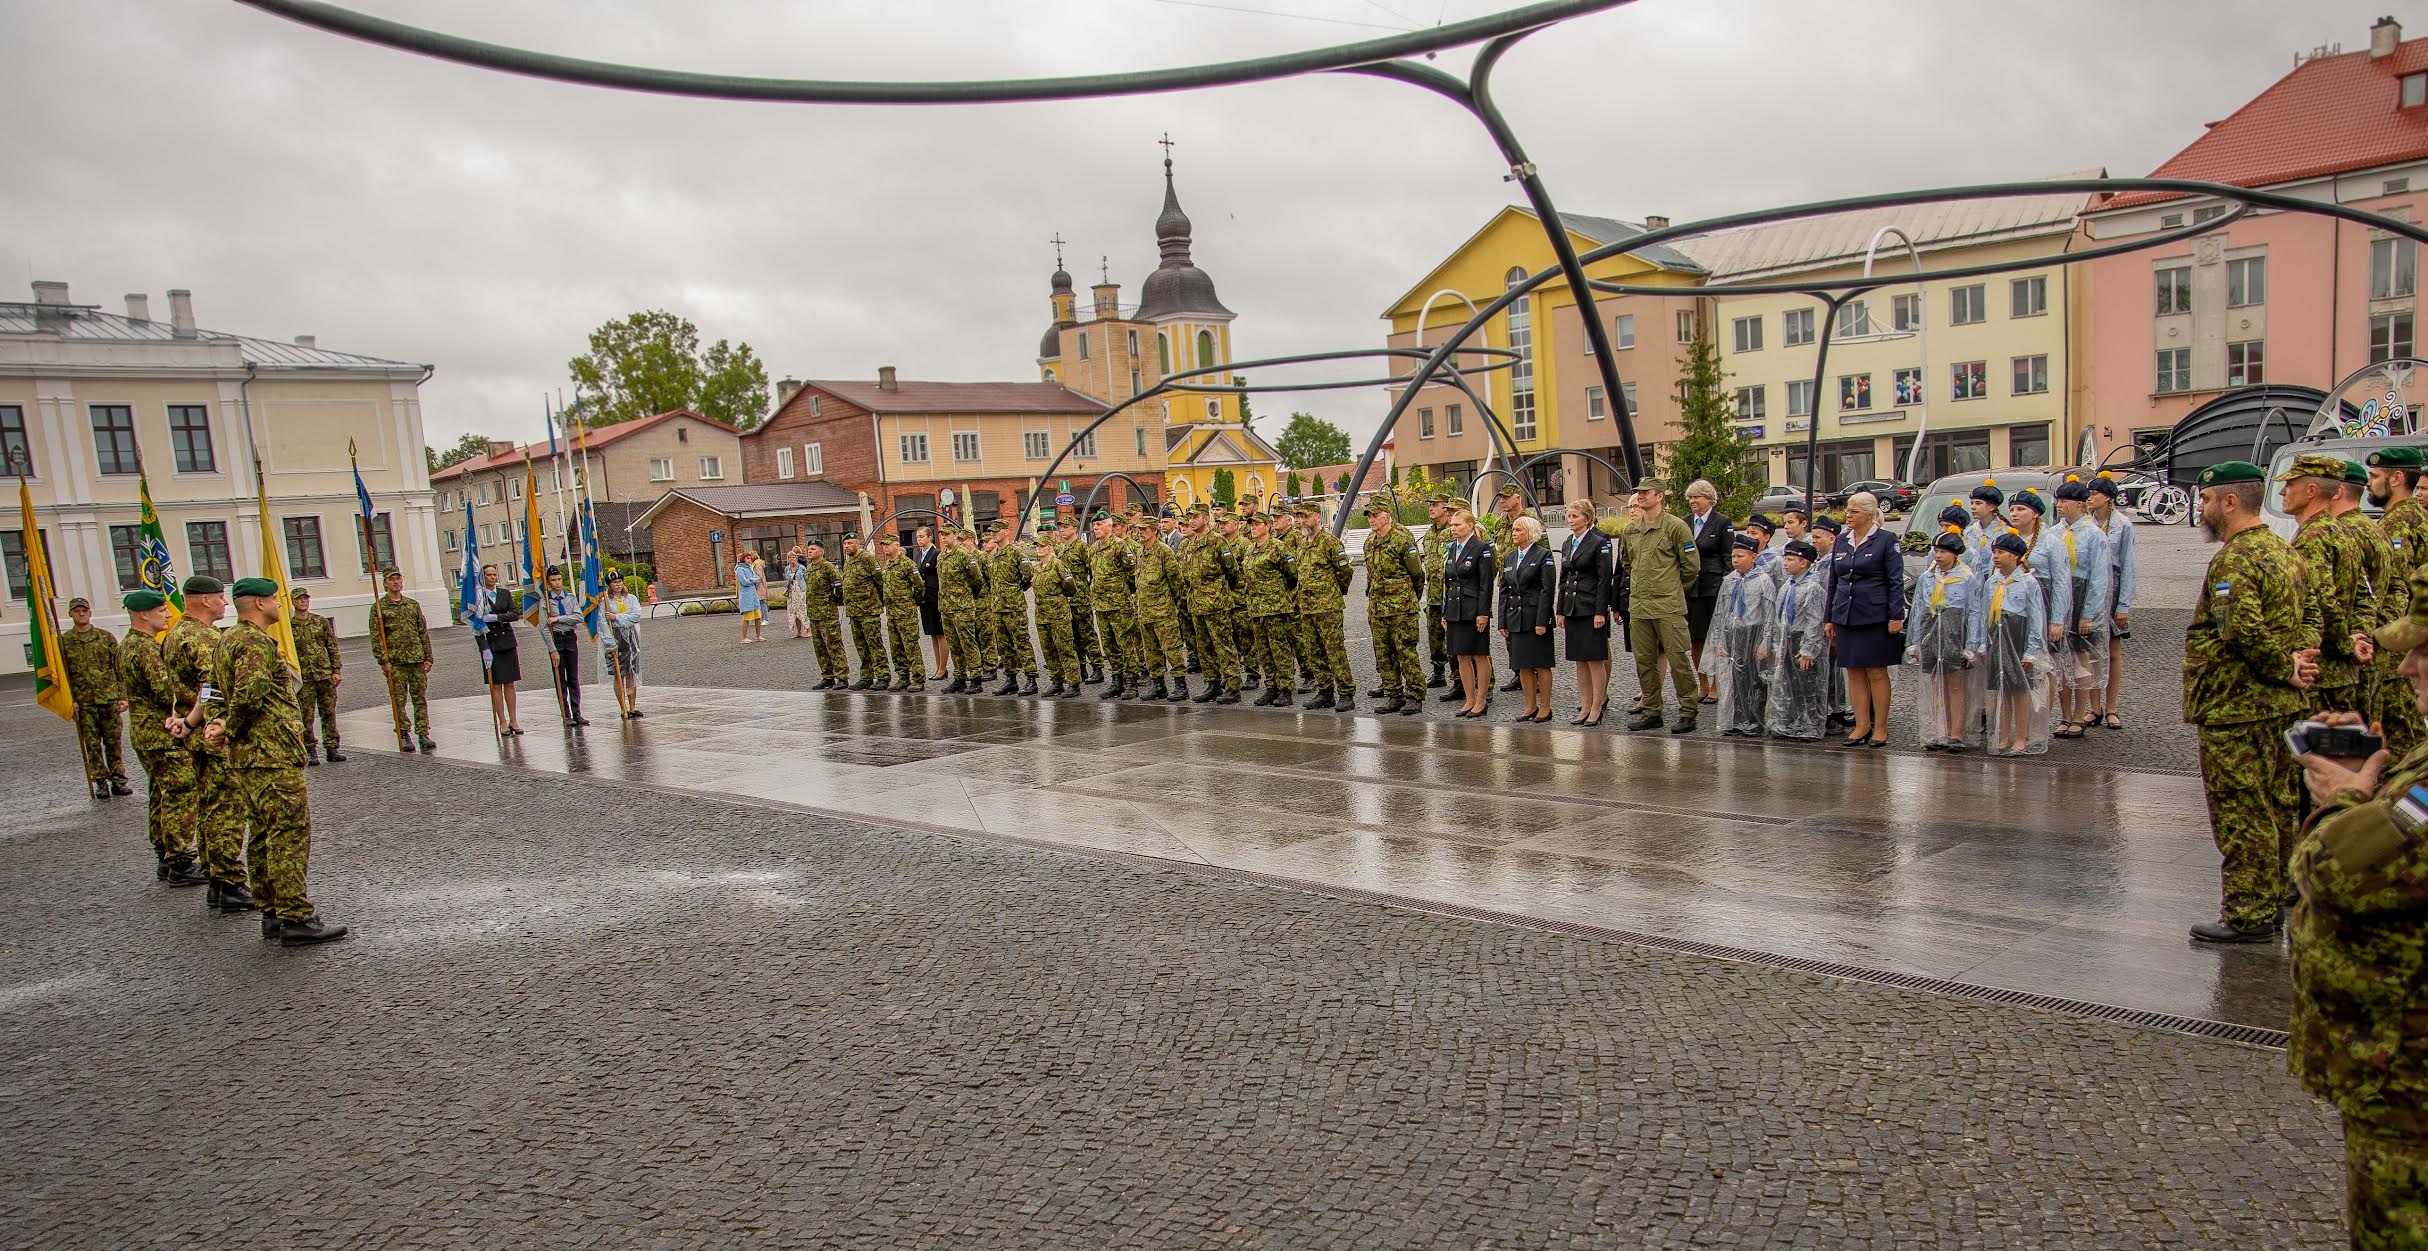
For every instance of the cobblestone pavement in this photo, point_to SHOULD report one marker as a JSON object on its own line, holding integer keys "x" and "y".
{"x": 592, "y": 1014}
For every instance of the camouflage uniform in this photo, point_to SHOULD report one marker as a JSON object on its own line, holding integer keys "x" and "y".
{"x": 1266, "y": 587}
{"x": 823, "y": 589}
{"x": 316, "y": 648}
{"x": 2405, "y": 527}
{"x": 864, "y": 604}
{"x": 2238, "y": 689}
{"x": 2331, "y": 609}
{"x": 192, "y": 650}
{"x": 262, "y": 770}
{"x": 1437, "y": 632}
{"x": 401, "y": 645}
{"x": 1210, "y": 572}
{"x": 960, "y": 588}
{"x": 1083, "y": 604}
{"x": 1395, "y": 577}
{"x": 1156, "y": 577}
{"x": 1110, "y": 573}
{"x": 1661, "y": 563}
{"x": 168, "y": 768}
{"x": 2384, "y": 596}
{"x": 1058, "y": 585}
{"x": 1323, "y": 570}
{"x": 1009, "y": 570}
{"x": 903, "y": 585}
{"x": 1242, "y": 622}
{"x": 92, "y": 674}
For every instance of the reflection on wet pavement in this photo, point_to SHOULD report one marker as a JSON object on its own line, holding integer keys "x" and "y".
{"x": 2071, "y": 882}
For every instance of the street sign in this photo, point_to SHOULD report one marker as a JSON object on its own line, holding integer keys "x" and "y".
{"x": 716, "y": 536}
{"x": 1066, "y": 499}
{"x": 945, "y": 497}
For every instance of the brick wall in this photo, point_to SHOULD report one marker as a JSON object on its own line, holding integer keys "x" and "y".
{"x": 842, "y": 431}
{"x": 680, "y": 534}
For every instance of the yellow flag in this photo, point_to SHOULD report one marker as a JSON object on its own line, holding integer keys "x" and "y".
{"x": 51, "y": 688}
{"x": 274, "y": 567}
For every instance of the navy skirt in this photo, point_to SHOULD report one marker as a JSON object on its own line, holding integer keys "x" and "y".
{"x": 1868, "y": 647}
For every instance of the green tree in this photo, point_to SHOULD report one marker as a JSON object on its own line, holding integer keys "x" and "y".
{"x": 1309, "y": 441}
{"x": 1709, "y": 445}
{"x": 1226, "y": 488}
{"x": 1295, "y": 490}
{"x": 651, "y": 362}
{"x": 465, "y": 448}
{"x": 1247, "y": 415}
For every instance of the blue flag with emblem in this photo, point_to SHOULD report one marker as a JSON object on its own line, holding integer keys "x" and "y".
{"x": 468, "y": 591}
{"x": 594, "y": 578}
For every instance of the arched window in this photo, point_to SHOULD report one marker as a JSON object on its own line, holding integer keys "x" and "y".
{"x": 1205, "y": 348}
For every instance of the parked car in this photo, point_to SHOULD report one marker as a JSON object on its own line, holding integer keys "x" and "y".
{"x": 1779, "y": 498}
{"x": 1896, "y": 497}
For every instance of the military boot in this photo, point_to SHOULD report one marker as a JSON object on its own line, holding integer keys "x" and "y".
{"x": 1011, "y": 684}
{"x": 956, "y": 686}
{"x": 229, "y": 897}
{"x": 1052, "y": 692}
{"x": 1437, "y": 679}
{"x": 1282, "y": 698}
{"x": 1457, "y": 694}
{"x": 1212, "y": 692}
{"x": 1161, "y": 691}
{"x": 430, "y": 745}
{"x": 308, "y": 931}
{"x": 1395, "y": 705}
{"x": 1323, "y": 699}
{"x": 1112, "y": 687}
{"x": 404, "y": 744}
{"x": 898, "y": 684}
{"x": 1378, "y": 693}
{"x": 101, "y": 790}
{"x": 311, "y": 756}
{"x": 186, "y": 873}
{"x": 1415, "y": 705}
{"x": 335, "y": 757}
{"x": 1347, "y": 701}
{"x": 1251, "y": 683}
{"x": 1230, "y": 695}
{"x": 270, "y": 926}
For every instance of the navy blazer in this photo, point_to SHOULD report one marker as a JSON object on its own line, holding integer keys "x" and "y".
{"x": 1585, "y": 574}
{"x": 1712, "y": 546}
{"x": 1866, "y": 581}
{"x": 1529, "y": 589}
{"x": 1467, "y": 574}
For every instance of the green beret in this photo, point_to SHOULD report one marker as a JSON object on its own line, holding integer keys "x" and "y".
{"x": 849, "y": 535}
{"x": 246, "y": 588}
{"x": 1045, "y": 526}
{"x": 2227, "y": 472}
{"x": 143, "y": 601}
{"x": 2314, "y": 465}
{"x": 2397, "y": 458}
{"x": 2356, "y": 473}
{"x": 203, "y": 584}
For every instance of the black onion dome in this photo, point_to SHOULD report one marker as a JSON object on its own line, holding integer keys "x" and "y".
{"x": 1177, "y": 286}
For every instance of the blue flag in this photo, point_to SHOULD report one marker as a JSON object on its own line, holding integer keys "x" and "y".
{"x": 594, "y": 579}
{"x": 469, "y": 594}
{"x": 362, "y": 496}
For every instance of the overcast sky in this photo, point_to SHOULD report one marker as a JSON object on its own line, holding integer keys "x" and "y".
{"x": 301, "y": 183}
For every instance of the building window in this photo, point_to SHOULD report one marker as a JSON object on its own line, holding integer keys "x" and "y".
{"x": 488, "y": 535}
{"x": 1163, "y": 355}
{"x": 481, "y": 489}
{"x": 1749, "y": 334}
{"x": 2169, "y": 221}
{"x": 1141, "y": 432}
{"x": 1597, "y": 404}
{"x": 1800, "y": 398}
{"x": 2028, "y": 297}
{"x": 1627, "y": 395}
{"x": 2415, "y": 90}
{"x": 784, "y": 462}
{"x": 2174, "y": 370}
{"x": 126, "y": 552}
{"x": 1454, "y": 420}
{"x": 2027, "y": 446}
{"x": 711, "y": 468}
{"x": 1083, "y": 345}
{"x": 2397, "y": 186}
{"x": 16, "y": 455}
{"x": 2031, "y": 375}
{"x": 1968, "y": 305}
{"x": 1135, "y": 388}
{"x": 1908, "y": 386}
{"x": 1854, "y": 319}
{"x": 2209, "y": 214}
{"x": 1037, "y": 445}
{"x": 1686, "y": 325}
{"x": 1623, "y": 329}
{"x": 383, "y": 544}
{"x": 1521, "y": 371}
{"x": 1085, "y": 449}
{"x": 514, "y": 488}
{"x": 914, "y": 449}
{"x": 661, "y": 469}
{"x": 1133, "y": 345}
{"x": 206, "y": 546}
{"x": 965, "y": 445}
{"x": 1905, "y": 312}
{"x": 1969, "y": 380}
{"x": 190, "y": 438}
{"x": 2394, "y": 268}
{"x": 1213, "y": 413}
{"x": 114, "y": 438}
{"x": 1796, "y": 327}
{"x": 451, "y": 537}
{"x": 2246, "y": 363}
{"x": 1854, "y": 392}
{"x": 813, "y": 459}
{"x": 1944, "y": 453}
{"x": 304, "y": 556}
{"x": 1205, "y": 349}
{"x": 813, "y": 406}
{"x": 1424, "y": 423}
{"x": 2389, "y": 337}
{"x": 2174, "y": 289}
{"x": 12, "y": 560}
{"x": 2246, "y": 281}
{"x": 1753, "y": 403}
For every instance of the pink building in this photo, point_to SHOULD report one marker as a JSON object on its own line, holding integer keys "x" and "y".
{"x": 2287, "y": 298}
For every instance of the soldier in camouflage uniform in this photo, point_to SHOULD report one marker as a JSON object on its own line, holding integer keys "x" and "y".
{"x": 1437, "y": 633}
{"x": 323, "y": 669}
{"x": 256, "y": 722}
{"x": 822, "y": 589}
{"x": 1323, "y": 572}
{"x": 1209, "y": 572}
{"x": 960, "y": 588}
{"x": 1056, "y": 582}
{"x": 1508, "y": 505}
{"x": 2334, "y": 578}
{"x": 1072, "y": 541}
{"x": 192, "y": 650}
{"x": 864, "y": 605}
{"x": 1395, "y": 577}
{"x": 2394, "y": 476}
{"x": 2384, "y": 595}
{"x": 1230, "y": 526}
{"x": 1009, "y": 570}
{"x": 2248, "y": 658}
{"x": 92, "y": 674}
{"x": 400, "y": 643}
{"x": 1269, "y": 588}
{"x": 168, "y": 768}
{"x": 902, "y": 585}
{"x": 2359, "y": 944}
{"x": 1156, "y": 583}
{"x": 1110, "y": 576}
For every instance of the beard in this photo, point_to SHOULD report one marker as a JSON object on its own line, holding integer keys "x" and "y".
{"x": 2208, "y": 530}
{"x": 2377, "y": 499}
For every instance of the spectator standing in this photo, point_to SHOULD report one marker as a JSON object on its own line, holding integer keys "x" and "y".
{"x": 1712, "y": 546}
{"x": 1529, "y": 603}
{"x": 1468, "y": 568}
{"x": 563, "y": 611}
{"x": 2124, "y": 575}
{"x": 746, "y": 581}
{"x": 796, "y": 592}
{"x": 1866, "y": 620}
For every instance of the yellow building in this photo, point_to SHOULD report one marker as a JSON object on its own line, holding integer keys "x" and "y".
{"x": 1179, "y": 324}
{"x": 1553, "y": 398}
{"x": 1982, "y": 370}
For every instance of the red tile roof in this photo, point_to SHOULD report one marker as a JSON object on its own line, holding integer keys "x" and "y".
{"x": 960, "y": 397}
{"x": 602, "y": 436}
{"x": 2329, "y": 115}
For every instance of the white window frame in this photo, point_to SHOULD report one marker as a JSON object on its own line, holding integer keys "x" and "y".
{"x": 712, "y": 469}
{"x": 1686, "y": 325}
{"x": 2241, "y": 272}
{"x": 1454, "y": 419}
{"x": 1037, "y": 445}
{"x": 661, "y": 469}
{"x": 2174, "y": 365}
{"x": 1424, "y": 423}
{"x": 1905, "y": 312}
{"x": 1973, "y": 299}
{"x": 1086, "y": 450}
{"x": 968, "y": 440}
{"x": 1796, "y": 387}
{"x": 2029, "y": 375}
{"x": 1797, "y": 327}
{"x": 2175, "y": 281}
{"x": 813, "y": 459}
{"x": 784, "y": 462}
{"x": 1597, "y": 404}
{"x": 911, "y": 447}
{"x": 2394, "y": 268}
{"x": 1627, "y": 392}
{"x": 2252, "y": 370}
{"x": 1622, "y": 332}
{"x": 1746, "y": 332}
{"x": 2028, "y": 297}
{"x": 1753, "y": 403}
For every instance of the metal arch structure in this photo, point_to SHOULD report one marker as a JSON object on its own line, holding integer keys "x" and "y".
{"x": 1080, "y": 513}
{"x": 878, "y": 525}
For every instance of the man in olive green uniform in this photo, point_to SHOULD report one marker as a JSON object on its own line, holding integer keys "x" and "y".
{"x": 902, "y": 585}
{"x": 1230, "y": 530}
{"x": 1110, "y": 575}
{"x": 192, "y": 650}
{"x": 323, "y": 669}
{"x": 864, "y": 605}
{"x": 960, "y": 589}
{"x": 1268, "y": 585}
{"x": 1009, "y": 570}
{"x": 1156, "y": 583}
{"x": 1508, "y": 505}
{"x": 1661, "y": 563}
{"x": 1209, "y": 572}
{"x": 822, "y": 588}
{"x": 400, "y": 642}
{"x": 168, "y": 768}
{"x": 92, "y": 674}
{"x": 1395, "y": 577}
{"x": 2384, "y": 592}
{"x": 256, "y": 722}
{"x": 2335, "y": 577}
{"x": 1323, "y": 570}
{"x": 2394, "y": 478}
{"x": 2359, "y": 943}
{"x": 1437, "y": 633}
{"x": 1056, "y": 583}
{"x": 2248, "y": 658}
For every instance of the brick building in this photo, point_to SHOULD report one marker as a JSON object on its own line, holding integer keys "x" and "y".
{"x": 699, "y": 531}
{"x": 630, "y": 462}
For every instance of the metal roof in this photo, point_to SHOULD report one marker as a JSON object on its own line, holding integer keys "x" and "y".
{"x": 1612, "y": 230}
{"x": 959, "y": 397}
{"x": 595, "y": 438}
{"x": 85, "y": 323}
{"x": 1839, "y": 238}
{"x": 764, "y": 499}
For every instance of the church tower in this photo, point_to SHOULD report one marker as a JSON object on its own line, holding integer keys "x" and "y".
{"x": 1202, "y": 430}
{"x": 1066, "y": 315}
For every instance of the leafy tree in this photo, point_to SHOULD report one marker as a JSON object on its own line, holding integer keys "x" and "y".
{"x": 1309, "y": 441}
{"x": 648, "y": 363}
{"x": 1247, "y": 415}
{"x": 1226, "y": 488}
{"x": 1710, "y": 446}
{"x": 465, "y": 448}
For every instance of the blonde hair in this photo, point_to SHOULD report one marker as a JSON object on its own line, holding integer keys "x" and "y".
{"x": 1582, "y": 504}
{"x": 1528, "y": 526}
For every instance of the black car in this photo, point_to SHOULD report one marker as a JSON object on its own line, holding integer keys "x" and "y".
{"x": 1895, "y": 497}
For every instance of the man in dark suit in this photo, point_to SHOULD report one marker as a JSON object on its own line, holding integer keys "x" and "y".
{"x": 1712, "y": 538}
{"x": 931, "y": 622}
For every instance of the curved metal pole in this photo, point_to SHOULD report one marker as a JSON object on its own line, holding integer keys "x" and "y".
{"x": 1425, "y": 315}
{"x": 1037, "y": 484}
{"x": 1595, "y": 457}
{"x": 1922, "y": 333}
{"x": 1830, "y": 304}
{"x": 1503, "y": 442}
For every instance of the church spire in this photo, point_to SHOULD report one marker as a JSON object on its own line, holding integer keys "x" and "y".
{"x": 1177, "y": 285}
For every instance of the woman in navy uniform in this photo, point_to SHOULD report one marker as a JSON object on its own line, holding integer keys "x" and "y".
{"x": 1468, "y": 568}
{"x": 1585, "y": 609}
{"x": 1530, "y": 589}
{"x": 1866, "y": 615}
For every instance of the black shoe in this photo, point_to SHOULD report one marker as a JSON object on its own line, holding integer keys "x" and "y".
{"x": 1347, "y": 702}
{"x": 1323, "y": 699}
{"x": 337, "y": 757}
{"x": 224, "y": 897}
{"x": 1230, "y": 695}
{"x": 1437, "y": 680}
{"x": 1161, "y": 691}
{"x": 1028, "y": 684}
{"x": 579, "y": 721}
{"x": 1378, "y": 693}
{"x": 1644, "y": 721}
{"x": 1212, "y": 692}
{"x": 956, "y": 686}
{"x": 183, "y": 873}
{"x": 2220, "y": 932}
{"x": 1683, "y": 725}
{"x": 101, "y": 790}
{"x": 1251, "y": 683}
{"x": 1054, "y": 690}
{"x": 1193, "y": 667}
{"x": 860, "y": 685}
{"x": 1512, "y": 684}
{"x": 270, "y": 926}
{"x": 1011, "y": 685}
{"x": 1071, "y": 692}
{"x": 1112, "y": 689}
{"x": 898, "y": 684}
{"x": 1284, "y": 699}
{"x": 311, "y": 756}
{"x": 308, "y": 931}
{"x": 160, "y": 870}
{"x": 405, "y": 746}
{"x": 1457, "y": 694}
{"x": 1180, "y": 690}
{"x": 429, "y": 746}
{"x": 1412, "y": 707}
{"x": 1396, "y": 705}
{"x": 1264, "y": 700}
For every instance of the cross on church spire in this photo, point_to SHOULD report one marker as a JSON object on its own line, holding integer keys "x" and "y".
{"x": 1107, "y": 262}
{"x": 1166, "y": 141}
{"x": 1057, "y": 241}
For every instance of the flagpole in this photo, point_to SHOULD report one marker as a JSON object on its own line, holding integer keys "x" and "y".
{"x": 379, "y": 625}
{"x": 42, "y": 624}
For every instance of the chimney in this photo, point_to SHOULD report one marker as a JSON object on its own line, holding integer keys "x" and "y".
{"x": 885, "y": 379}
{"x": 50, "y": 293}
{"x": 138, "y": 306}
{"x": 181, "y": 312}
{"x": 307, "y": 341}
{"x": 786, "y": 389}
{"x": 1656, "y": 223}
{"x": 500, "y": 447}
{"x": 2384, "y": 38}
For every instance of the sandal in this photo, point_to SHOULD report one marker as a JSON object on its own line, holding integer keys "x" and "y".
{"x": 2066, "y": 729}
{"x": 2113, "y": 722}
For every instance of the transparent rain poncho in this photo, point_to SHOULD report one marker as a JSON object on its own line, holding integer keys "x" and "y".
{"x": 1732, "y": 652}
{"x": 2081, "y": 656}
{"x": 1797, "y": 654}
{"x": 2009, "y": 644}
{"x": 1939, "y": 643}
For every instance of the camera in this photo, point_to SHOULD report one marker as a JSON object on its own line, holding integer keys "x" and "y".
{"x": 2315, "y": 738}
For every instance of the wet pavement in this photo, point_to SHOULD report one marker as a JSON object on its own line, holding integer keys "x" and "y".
{"x": 2066, "y": 881}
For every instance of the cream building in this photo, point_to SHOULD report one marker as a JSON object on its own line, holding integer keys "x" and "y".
{"x": 1983, "y": 371}
{"x": 87, "y": 396}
